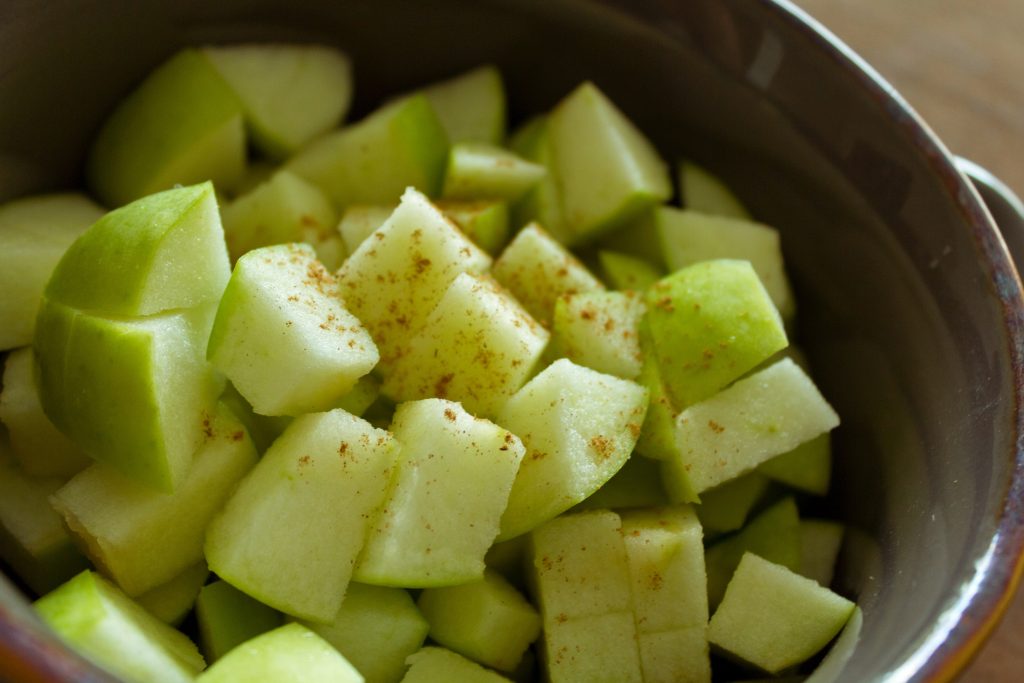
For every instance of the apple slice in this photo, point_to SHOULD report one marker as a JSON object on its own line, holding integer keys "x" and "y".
{"x": 451, "y": 487}
{"x": 807, "y": 467}
{"x": 471, "y": 106}
{"x": 479, "y": 171}
{"x": 227, "y": 617}
{"x": 725, "y": 507}
{"x": 488, "y": 620}
{"x": 579, "y": 427}
{"x": 288, "y": 654}
{"x": 373, "y": 161}
{"x": 702, "y": 191}
{"x": 143, "y": 538}
{"x": 601, "y": 331}
{"x": 285, "y": 208}
{"x": 283, "y": 337}
{"x": 438, "y": 665}
{"x": 543, "y": 203}
{"x": 34, "y": 233}
{"x": 774, "y": 618}
{"x": 181, "y": 125}
{"x": 376, "y": 629}
{"x": 290, "y": 534}
{"x": 607, "y": 170}
{"x": 172, "y": 601}
{"x": 626, "y": 272}
{"x": 290, "y": 94}
{"x": 41, "y": 449}
{"x": 105, "y": 625}
{"x": 164, "y": 252}
{"x": 360, "y": 221}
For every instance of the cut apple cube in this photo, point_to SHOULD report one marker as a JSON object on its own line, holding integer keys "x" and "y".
{"x": 600, "y": 330}
{"x": 289, "y": 94}
{"x": 227, "y": 617}
{"x": 478, "y": 347}
{"x": 283, "y": 337}
{"x": 710, "y": 323}
{"x": 290, "y": 534}
{"x": 283, "y": 209}
{"x": 34, "y": 234}
{"x": 725, "y": 507}
{"x": 161, "y": 253}
{"x": 397, "y": 276}
{"x": 689, "y": 237}
{"x": 440, "y": 665}
{"x": 33, "y": 540}
{"x": 402, "y": 144}
{"x": 131, "y": 393}
{"x": 607, "y": 170}
{"x": 471, "y": 106}
{"x": 172, "y": 601}
{"x": 538, "y": 270}
{"x": 488, "y": 620}
{"x": 760, "y": 416}
{"x": 596, "y": 649}
{"x": 40, "y": 448}
{"x": 288, "y": 654}
{"x": 700, "y": 190}
{"x": 658, "y": 435}
{"x": 626, "y": 272}
{"x": 579, "y": 427}
{"x": 807, "y": 467}
{"x": 102, "y": 623}
{"x": 820, "y": 542}
{"x": 485, "y": 222}
{"x": 480, "y": 171}
{"x": 774, "y": 618}
{"x": 376, "y": 629}
{"x": 543, "y": 203}
{"x": 442, "y": 515}
{"x": 360, "y": 221}
{"x": 142, "y": 538}
{"x": 181, "y": 125}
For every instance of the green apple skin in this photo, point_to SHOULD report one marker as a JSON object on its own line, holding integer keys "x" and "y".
{"x": 182, "y": 125}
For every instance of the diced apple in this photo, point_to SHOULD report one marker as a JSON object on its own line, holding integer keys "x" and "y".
{"x": 607, "y": 170}
{"x": 283, "y": 337}
{"x": 289, "y": 94}
{"x": 290, "y": 534}
{"x": 479, "y": 171}
{"x": 478, "y": 347}
{"x": 105, "y": 625}
{"x": 397, "y": 276}
{"x": 636, "y": 485}
{"x": 774, "y": 535}
{"x": 161, "y": 253}
{"x": 288, "y": 654}
{"x": 488, "y": 620}
{"x": 170, "y": 602}
{"x": 626, "y": 272}
{"x": 774, "y": 618}
{"x": 485, "y": 222}
{"x": 227, "y": 617}
{"x": 760, "y": 416}
{"x": 658, "y": 435}
{"x": 439, "y": 665}
{"x": 637, "y": 237}
{"x": 807, "y": 467}
{"x": 360, "y": 221}
{"x": 579, "y": 427}
{"x": 376, "y": 629}
{"x": 596, "y": 649}
{"x": 471, "y": 106}
{"x": 600, "y": 330}
{"x": 41, "y": 449}
{"x": 442, "y": 515}
{"x": 710, "y": 323}
{"x": 373, "y": 161}
{"x": 820, "y": 542}
{"x": 543, "y": 203}
{"x": 725, "y": 507}
{"x": 699, "y": 190}
{"x": 689, "y": 237}
{"x": 283, "y": 209}
{"x": 34, "y": 233}
{"x": 142, "y": 538}
{"x": 538, "y": 270}
{"x": 181, "y": 125}
{"x": 33, "y": 540}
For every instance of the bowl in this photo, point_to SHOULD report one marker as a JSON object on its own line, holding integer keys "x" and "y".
{"x": 910, "y": 305}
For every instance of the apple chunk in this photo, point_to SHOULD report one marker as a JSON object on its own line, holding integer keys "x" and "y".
{"x": 181, "y": 125}
{"x": 283, "y": 337}
{"x": 290, "y": 534}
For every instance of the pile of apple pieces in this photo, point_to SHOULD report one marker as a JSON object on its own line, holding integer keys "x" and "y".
{"x": 371, "y": 402}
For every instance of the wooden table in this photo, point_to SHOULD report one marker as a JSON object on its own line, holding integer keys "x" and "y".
{"x": 960, "y": 64}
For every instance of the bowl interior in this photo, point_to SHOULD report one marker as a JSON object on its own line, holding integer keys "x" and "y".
{"x": 908, "y": 307}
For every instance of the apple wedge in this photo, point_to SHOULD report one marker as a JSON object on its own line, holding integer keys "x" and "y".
{"x": 471, "y": 106}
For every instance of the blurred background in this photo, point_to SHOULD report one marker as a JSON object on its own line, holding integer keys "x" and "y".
{"x": 960, "y": 64}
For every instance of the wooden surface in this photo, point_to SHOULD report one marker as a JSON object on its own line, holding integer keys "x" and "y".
{"x": 960, "y": 64}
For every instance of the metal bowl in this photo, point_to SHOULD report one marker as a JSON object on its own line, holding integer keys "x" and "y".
{"x": 910, "y": 305}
